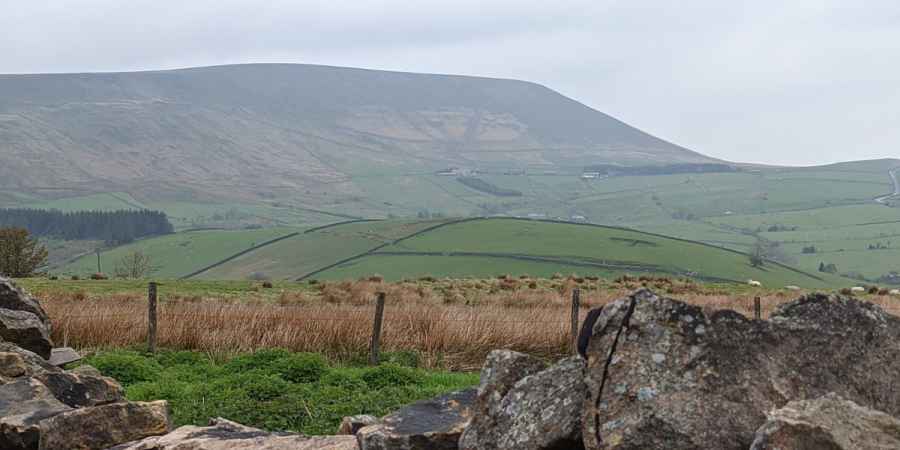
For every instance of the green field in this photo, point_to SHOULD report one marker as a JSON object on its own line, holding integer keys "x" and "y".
{"x": 480, "y": 247}
{"x": 829, "y": 207}
{"x": 308, "y": 252}
{"x": 486, "y": 247}
{"x": 179, "y": 254}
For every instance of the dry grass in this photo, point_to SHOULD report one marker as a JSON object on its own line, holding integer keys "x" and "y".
{"x": 451, "y": 324}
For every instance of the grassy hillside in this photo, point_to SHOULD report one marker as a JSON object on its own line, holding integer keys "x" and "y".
{"x": 283, "y": 132}
{"x": 176, "y": 255}
{"x": 494, "y": 246}
{"x": 316, "y": 249}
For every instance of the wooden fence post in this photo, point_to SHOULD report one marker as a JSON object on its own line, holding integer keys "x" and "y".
{"x": 151, "y": 317}
{"x": 757, "y": 309}
{"x": 376, "y": 330}
{"x": 576, "y": 305}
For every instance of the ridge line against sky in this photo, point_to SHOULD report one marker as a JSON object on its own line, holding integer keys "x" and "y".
{"x": 810, "y": 82}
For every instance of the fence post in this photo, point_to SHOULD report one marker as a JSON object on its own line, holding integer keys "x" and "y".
{"x": 376, "y": 330}
{"x": 757, "y": 308}
{"x": 576, "y": 305}
{"x": 151, "y": 317}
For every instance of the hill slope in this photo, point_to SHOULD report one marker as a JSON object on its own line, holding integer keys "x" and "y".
{"x": 472, "y": 247}
{"x": 276, "y": 130}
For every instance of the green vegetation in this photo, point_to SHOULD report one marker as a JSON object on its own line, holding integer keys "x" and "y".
{"x": 224, "y": 289}
{"x": 479, "y": 248}
{"x": 483, "y": 186}
{"x": 308, "y": 252}
{"x": 273, "y": 389}
{"x": 112, "y": 201}
{"x": 176, "y": 255}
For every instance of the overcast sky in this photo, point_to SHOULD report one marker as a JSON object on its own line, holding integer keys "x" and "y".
{"x": 787, "y": 82}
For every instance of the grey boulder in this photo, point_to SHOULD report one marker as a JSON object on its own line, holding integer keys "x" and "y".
{"x": 828, "y": 422}
{"x": 352, "y": 424}
{"x": 101, "y": 427}
{"x": 663, "y": 374}
{"x": 26, "y": 330}
{"x": 23, "y": 405}
{"x": 78, "y": 390}
{"x": 521, "y": 406}
{"x": 14, "y": 298}
{"x": 222, "y": 434}
{"x": 434, "y": 424}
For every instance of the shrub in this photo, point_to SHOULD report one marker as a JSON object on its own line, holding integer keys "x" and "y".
{"x": 344, "y": 379}
{"x": 873, "y": 289}
{"x": 405, "y": 358}
{"x": 75, "y": 278}
{"x": 389, "y": 375}
{"x": 126, "y": 367}
{"x": 174, "y": 358}
{"x": 267, "y": 285}
{"x": 300, "y": 367}
{"x": 255, "y": 384}
{"x": 259, "y": 360}
{"x": 99, "y": 276}
{"x": 846, "y": 291}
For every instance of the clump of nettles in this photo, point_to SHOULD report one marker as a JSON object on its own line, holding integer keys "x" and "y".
{"x": 275, "y": 389}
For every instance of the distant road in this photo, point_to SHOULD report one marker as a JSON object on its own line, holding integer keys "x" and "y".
{"x": 893, "y": 174}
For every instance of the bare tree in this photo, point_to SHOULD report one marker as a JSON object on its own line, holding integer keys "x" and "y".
{"x": 134, "y": 265}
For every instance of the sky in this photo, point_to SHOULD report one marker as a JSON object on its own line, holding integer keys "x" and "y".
{"x": 801, "y": 82}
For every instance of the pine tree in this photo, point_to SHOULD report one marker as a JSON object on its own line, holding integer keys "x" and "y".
{"x": 20, "y": 255}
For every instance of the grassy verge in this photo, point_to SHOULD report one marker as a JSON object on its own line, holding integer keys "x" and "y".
{"x": 274, "y": 389}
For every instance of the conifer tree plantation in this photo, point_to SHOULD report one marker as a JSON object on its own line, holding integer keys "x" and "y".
{"x": 114, "y": 227}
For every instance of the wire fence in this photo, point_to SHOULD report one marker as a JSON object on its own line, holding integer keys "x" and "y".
{"x": 463, "y": 332}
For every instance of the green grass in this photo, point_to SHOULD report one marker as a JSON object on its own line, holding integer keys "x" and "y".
{"x": 395, "y": 268}
{"x": 95, "y": 202}
{"x": 841, "y": 236}
{"x": 494, "y": 246}
{"x": 226, "y": 289}
{"x": 308, "y": 252}
{"x": 273, "y": 389}
{"x": 178, "y": 254}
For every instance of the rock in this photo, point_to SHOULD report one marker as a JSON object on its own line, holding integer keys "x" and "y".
{"x": 434, "y": 424}
{"x": 85, "y": 369}
{"x": 104, "y": 426}
{"x": 23, "y": 405}
{"x": 721, "y": 374}
{"x": 541, "y": 410}
{"x": 61, "y": 356}
{"x": 12, "y": 365}
{"x": 25, "y": 329}
{"x": 828, "y": 422}
{"x": 352, "y": 424}
{"x": 78, "y": 390}
{"x": 34, "y": 364}
{"x": 11, "y": 297}
{"x": 226, "y": 435}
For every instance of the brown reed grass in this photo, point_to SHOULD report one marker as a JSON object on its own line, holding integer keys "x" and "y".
{"x": 449, "y": 326}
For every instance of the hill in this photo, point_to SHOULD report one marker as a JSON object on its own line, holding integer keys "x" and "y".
{"x": 477, "y": 247}
{"x": 485, "y": 247}
{"x": 268, "y": 131}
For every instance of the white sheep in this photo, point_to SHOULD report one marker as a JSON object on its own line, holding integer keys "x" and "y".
{"x": 792, "y": 288}
{"x": 754, "y": 283}
{"x": 895, "y": 292}
{"x": 857, "y": 289}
